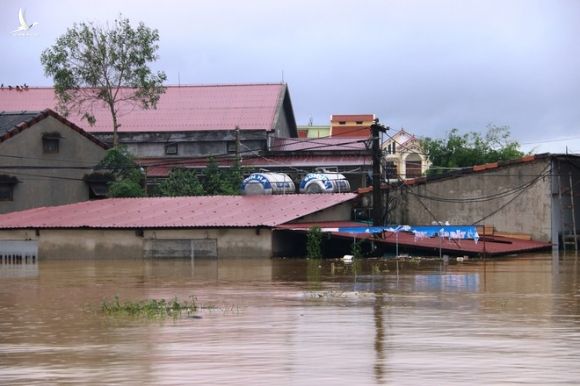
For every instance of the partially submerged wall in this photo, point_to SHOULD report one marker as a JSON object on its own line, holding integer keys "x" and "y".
{"x": 513, "y": 198}
{"x": 137, "y": 243}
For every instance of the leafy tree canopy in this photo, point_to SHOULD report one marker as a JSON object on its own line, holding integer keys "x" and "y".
{"x": 470, "y": 149}
{"x": 211, "y": 181}
{"x": 181, "y": 182}
{"x": 91, "y": 64}
{"x": 128, "y": 178}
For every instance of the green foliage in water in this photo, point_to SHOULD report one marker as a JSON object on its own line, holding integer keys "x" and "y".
{"x": 356, "y": 249}
{"x": 151, "y": 308}
{"x": 314, "y": 243}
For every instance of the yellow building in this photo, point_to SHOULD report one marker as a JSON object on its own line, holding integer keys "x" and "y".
{"x": 404, "y": 157}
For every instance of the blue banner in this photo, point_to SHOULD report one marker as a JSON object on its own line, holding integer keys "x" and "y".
{"x": 457, "y": 232}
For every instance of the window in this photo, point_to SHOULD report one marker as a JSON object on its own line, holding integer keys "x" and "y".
{"x": 51, "y": 143}
{"x": 342, "y": 122}
{"x": 413, "y": 166}
{"x": 231, "y": 147}
{"x": 359, "y": 122}
{"x": 171, "y": 149}
{"x": 390, "y": 170}
{"x": 7, "y": 184}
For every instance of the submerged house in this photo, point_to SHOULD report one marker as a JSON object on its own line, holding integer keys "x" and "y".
{"x": 190, "y": 227}
{"x": 44, "y": 159}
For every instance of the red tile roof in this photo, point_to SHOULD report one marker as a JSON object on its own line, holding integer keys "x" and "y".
{"x": 176, "y": 212}
{"x": 185, "y": 108}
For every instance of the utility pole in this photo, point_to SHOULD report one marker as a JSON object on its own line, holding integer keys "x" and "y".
{"x": 376, "y": 130}
{"x": 238, "y": 154}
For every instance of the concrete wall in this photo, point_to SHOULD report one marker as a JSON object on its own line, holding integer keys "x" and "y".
{"x": 525, "y": 210}
{"x": 138, "y": 244}
{"x": 89, "y": 244}
{"x": 342, "y": 212}
{"x": 189, "y": 144}
{"x": 230, "y": 242}
{"x": 44, "y": 178}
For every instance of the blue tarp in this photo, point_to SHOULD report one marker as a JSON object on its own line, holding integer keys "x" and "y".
{"x": 447, "y": 231}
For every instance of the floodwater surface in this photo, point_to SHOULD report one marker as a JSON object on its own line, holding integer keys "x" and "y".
{"x": 294, "y": 322}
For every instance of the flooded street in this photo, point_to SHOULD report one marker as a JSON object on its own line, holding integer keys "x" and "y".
{"x": 294, "y": 322}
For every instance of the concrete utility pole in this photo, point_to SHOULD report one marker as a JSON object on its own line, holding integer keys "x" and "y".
{"x": 376, "y": 130}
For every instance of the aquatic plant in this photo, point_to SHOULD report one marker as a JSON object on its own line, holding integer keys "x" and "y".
{"x": 150, "y": 308}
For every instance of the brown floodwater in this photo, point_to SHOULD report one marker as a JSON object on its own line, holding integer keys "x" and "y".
{"x": 294, "y": 322}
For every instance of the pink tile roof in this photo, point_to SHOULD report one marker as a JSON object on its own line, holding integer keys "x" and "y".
{"x": 175, "y": 212}
{"x": 319, "y": 144}
{"x": 185, "y": 108}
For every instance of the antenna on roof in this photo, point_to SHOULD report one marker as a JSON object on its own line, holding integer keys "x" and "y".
{"x": 178, "y": 80}
{"x": 282, "y": 76}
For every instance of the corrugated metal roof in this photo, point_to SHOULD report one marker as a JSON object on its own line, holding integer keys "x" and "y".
{"x": 493, "y": 245}
{"x": 319, "y": 144}
{"x": 185, "y": 108}
{"x": 176, "y": 212}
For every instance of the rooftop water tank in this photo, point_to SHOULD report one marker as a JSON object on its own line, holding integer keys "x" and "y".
{"x": 268, "y": 183}
{"x": 324, "y": 183}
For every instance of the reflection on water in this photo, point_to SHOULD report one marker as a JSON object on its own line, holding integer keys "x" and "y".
{"x": 282, "y": 322}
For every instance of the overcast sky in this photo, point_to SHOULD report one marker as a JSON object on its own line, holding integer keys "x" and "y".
{"x": 426, "y": 66}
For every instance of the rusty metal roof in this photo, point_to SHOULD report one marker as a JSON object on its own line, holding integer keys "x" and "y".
{"x": 489, "y": 245}
{"x": 160, "y": 167}
{"x": 351, "y": 117}
{"x": 176, "y": 212}
{"x": 183, "y": 108}
{"x": 319, "y": 144}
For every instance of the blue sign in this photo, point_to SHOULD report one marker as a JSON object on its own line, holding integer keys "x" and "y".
{"x": 316, "y": 176}
{"x": 256, "y": 177}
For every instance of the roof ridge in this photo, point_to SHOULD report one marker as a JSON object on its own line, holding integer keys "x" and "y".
{"x": 177, "y": 85}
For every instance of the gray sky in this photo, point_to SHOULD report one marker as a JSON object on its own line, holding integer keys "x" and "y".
{"x": 427, "y": 66}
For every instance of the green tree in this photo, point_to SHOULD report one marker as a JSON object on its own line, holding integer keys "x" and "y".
{"x": 314, "y": 243}
{"x": 212, "y": 182}
{"x": 232, "y": 179}
{"x": 456, "y": 150}
{"x": 222, "y": 181}
{"x": 128, "y": 178}
{"x": 181, "y": 182}
{"x": 92, "y": 64}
